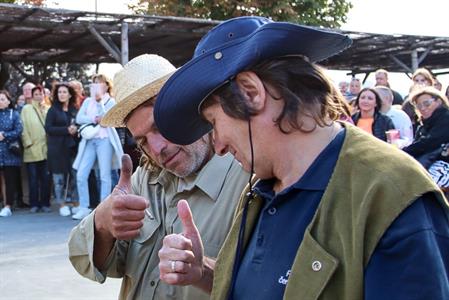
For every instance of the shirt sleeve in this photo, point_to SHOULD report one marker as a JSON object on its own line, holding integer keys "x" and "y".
{"x": 81, "y": 116}
{"x": 81, "y": 248}
{"x": 411, "y": 260}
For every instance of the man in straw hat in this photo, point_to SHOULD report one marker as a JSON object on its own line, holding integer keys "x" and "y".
{"x": 123, "y": 235}
{"x": 336, "y": 213}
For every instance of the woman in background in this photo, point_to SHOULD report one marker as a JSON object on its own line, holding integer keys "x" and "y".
{"x": 368, "y": 117}
{"x": 433, "y": 108}
{"x": 34, "y": 140}
{"x": 423, "y": 77}
{"x": 10, "y": 160}
{"x": 62, "y": 133}
{"x": 104, "y": 146}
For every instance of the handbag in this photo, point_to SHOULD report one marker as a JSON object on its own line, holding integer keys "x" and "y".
{"x": 15, "y": 148}
{"x": 89, "y": 130}
{"x": 439, "y": 171}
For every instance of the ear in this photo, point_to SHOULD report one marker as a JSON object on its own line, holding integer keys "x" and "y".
{"x": 252, "y": 89}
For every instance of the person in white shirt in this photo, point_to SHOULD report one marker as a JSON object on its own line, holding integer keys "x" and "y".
{"x": 400, "y": 119}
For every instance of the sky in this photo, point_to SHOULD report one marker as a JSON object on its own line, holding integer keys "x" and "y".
{"x": 430, "y": 17}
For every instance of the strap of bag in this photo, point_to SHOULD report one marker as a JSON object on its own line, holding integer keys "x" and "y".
{"x": 82, "y": 127}
{"x": 38, "y": 116}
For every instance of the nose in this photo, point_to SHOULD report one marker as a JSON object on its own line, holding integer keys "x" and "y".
{"x": 219, "y": 147}
{"x": 156, "y": 143}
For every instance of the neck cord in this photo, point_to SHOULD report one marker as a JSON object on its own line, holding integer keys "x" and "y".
{"x": 249, "y": 197}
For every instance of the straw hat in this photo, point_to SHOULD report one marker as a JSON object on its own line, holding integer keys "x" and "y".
{"x": 139, "y": 80}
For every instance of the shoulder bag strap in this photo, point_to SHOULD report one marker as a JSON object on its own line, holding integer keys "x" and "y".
{"x": 39, "y": 117}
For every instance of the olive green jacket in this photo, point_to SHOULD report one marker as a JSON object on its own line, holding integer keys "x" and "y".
{"x": 371, "y": 185}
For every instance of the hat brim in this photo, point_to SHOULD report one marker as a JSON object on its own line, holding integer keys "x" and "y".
{"x": 177, "y": 115}
{"x": 116, "y": 116}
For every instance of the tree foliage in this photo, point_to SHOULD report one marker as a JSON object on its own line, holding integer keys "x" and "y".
{"x": 25, "y": 2}
{"x": 326, "y": 13}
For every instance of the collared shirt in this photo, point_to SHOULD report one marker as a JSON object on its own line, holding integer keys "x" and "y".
{"x": 414, "y": 246}
{"x": 266, "y": 264}
{"x": 212, "y": 195}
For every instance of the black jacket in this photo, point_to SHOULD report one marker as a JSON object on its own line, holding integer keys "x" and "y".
{"x": 381, "y": 124}
{"x": 61, "y": 145}
{"x": 429, "y": 136}
{"x": 397, "y": 98}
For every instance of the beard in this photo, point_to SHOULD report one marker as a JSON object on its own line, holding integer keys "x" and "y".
{"x": 197, "y": 155}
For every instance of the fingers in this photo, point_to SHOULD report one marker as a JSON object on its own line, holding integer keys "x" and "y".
{"x": 126, "y": 230}
{"x": 176, "y": 257}
{"x": 124, "y": 183}
{"x": 185, "y": 215}
{"x": 177, "y": 278}
{"x": 172, "y": 243}
{"x": 129, "y": 201}
{"x": 127, "y": 214}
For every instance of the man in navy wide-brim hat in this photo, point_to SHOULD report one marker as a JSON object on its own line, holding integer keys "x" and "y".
{"x": 334, "y": 213}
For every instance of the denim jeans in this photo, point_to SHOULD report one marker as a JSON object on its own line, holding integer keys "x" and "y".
{"x": 39, "y": 183}
{"x": 115, "y": 176}
{"x": 100, "y": 150}
{"x": 64, "y": 192}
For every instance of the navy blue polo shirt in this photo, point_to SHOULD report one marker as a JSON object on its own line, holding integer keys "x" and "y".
{"x": 410, "y": 261}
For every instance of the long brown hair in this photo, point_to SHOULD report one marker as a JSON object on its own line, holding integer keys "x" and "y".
{"x": 303, "y": 86}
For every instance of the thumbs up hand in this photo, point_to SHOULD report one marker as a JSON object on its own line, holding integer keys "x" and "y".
{"x": 121, "y": 215}
{"x": 181, "y": 256}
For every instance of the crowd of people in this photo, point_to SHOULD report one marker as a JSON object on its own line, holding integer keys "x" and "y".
{"x": 44, "y": 156}
{"x": 52, "y": 158}
{"x": 330, "y": 210}
{"x": 259, "y": 178}
{"x": 416, "y": 124}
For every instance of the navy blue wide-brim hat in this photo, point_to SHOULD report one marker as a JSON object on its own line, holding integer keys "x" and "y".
{"x": 222, "y": 53}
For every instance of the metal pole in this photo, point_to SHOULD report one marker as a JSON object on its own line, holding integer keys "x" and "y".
{"x": 415, "y": 63}
{"x": 105, "y": 43}
{"x": 124, "y": 42}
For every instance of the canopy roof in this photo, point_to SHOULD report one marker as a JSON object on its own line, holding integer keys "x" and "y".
{"x": 31, "y": 34}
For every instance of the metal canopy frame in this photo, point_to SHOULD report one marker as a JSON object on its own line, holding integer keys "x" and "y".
{"x": 34, "y": 34}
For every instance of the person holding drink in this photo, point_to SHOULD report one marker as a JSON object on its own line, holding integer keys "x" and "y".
{"x": 368, "y": 117}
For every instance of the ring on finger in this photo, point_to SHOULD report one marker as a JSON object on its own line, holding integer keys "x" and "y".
{"x": 173, "y": 266}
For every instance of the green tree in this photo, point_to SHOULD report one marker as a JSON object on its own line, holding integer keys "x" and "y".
{"x": 324, "y": 13}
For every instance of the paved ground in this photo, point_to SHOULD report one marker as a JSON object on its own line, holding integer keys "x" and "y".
{"x": 34, "y": 261}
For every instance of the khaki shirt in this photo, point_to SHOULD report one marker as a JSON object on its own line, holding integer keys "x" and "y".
{"x": 212, "y": 196}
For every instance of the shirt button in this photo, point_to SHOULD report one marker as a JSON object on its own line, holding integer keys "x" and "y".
{"x": 272, "y": 210}
{"x": 316, "y": 266}
{"x": 152, "y": 283}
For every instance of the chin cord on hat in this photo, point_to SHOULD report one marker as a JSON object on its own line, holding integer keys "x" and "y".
{"x": 249, "y": 197}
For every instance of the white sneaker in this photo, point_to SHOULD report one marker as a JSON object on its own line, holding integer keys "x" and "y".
{"x": 6, "y": 212}
{"x": 64, "y": 211}
{"x": 75, "y": 209}
{"x": 82, "y": 213}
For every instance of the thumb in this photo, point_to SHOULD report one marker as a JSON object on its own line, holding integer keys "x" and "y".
{"x": 124, "y": 183}
{"x": 185, "y": 215}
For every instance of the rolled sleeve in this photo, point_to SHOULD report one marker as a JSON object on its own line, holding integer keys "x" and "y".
{"x": 81, "y": 249}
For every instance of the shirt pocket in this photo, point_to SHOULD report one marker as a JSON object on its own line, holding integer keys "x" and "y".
{"x": 148, "y": 229}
